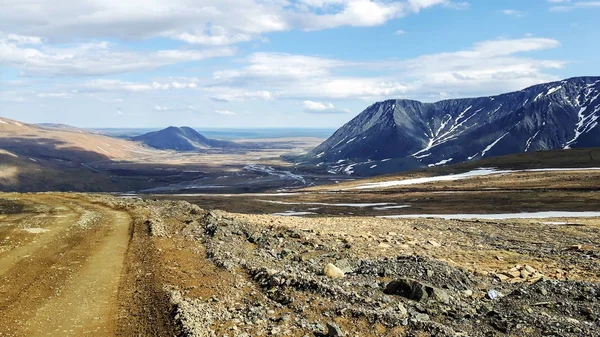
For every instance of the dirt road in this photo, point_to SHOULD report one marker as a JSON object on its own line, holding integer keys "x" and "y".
{"x": 61, "y": 261}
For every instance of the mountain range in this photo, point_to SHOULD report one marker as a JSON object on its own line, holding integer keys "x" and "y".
{"x": 396, "y": 135}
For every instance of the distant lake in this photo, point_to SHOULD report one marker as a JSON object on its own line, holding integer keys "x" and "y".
{"x": 230, "y": 133}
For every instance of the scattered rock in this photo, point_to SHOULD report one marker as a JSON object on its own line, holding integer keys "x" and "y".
{"x": 422, "y": 317}
{"x": 438, "y": 294}
{"x": 284, "y": 293}
{"x": 402, "y": 312}
{"x": 502, "y": 277}
{"x": 344, "y": 265}
{"x": 434, "y": 243}
{"x": 332, "y": 271}
{"x": 333, "y": 330}
{"x": 494, "y": 294}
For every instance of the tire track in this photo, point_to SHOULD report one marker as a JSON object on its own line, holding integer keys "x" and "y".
{"x": 67, "y": 283}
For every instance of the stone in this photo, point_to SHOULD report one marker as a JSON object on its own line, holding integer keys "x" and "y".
{"x": 438, "y": 294}
{"x": 332, "y": 271}
{"x": 422, "y": 317}
{"x": 383, "y": 245}
{"x": 530, "y": 269}
{"x": 402, "y": 311}
{"x": 494, "y": 294}
{"x": 344, "y": 265}
{"x": 333, "y": 330}
{"x": 415, "y": 290}
{"x": 536, "y": 277}
{"x": 254, "y": 237}
{"x": 502, "y": 277}
{"x": 467, "y": 293}
{"x": 480, "y": 272}
{"x": 434, "y": 243}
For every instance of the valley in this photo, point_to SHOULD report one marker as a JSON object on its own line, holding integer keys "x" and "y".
{"x": 567, "y": 190}
{"x": 303, "y": 168}
{"x": 34, "y": 158}
{"x": 171, "y": 233}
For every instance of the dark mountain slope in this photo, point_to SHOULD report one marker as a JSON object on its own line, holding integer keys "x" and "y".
{"x": 397, "y": 135}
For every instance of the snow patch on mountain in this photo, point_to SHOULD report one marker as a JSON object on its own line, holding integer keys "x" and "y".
{"x": 441, "y": 162}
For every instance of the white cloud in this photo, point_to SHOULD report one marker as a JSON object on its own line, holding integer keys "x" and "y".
{"x": 568, "y": 5}
{"x": 487, "y": 67}
{"x": 513, "y": 12}
{"x": 90, "y": 59}
{"x": 225, "y": 112}
{"x": 321, "y": 108}
{"x": 230, "y": 94}
{"x": 317, "y": 106}
{"x": 511, "y": 46}
{"x": 54, "y": 95}
{"x": 279, "y": 66}
{"x": 399, "y": 32}
{"x": 174, "y": 108}
{"x": 178, "y": 85}
{"x": 20, "y": 39}
{"x": 161, "y": 108}
{"x": 493, "y": 66}
{"x": 106, "y": 85}
{"x": 206, "y": 22}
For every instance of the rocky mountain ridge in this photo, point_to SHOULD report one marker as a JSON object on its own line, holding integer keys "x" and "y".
{"x": 396, "y": 135}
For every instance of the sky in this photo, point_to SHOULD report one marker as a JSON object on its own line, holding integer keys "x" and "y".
{"x": 276, "y": 63}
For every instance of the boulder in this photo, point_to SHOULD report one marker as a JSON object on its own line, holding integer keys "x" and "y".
{"x": 332, "y": 271}
{"x": 415, "y": 290}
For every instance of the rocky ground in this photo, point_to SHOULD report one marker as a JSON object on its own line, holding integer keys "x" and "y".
{"x": 194, "y": 272}
{"x": 263, "y": 275}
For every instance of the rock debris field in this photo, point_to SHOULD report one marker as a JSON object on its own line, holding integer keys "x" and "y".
{"x": 186, "y": 271}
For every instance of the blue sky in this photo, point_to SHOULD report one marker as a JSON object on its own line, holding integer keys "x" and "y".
{"x": 276, "y": 63}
